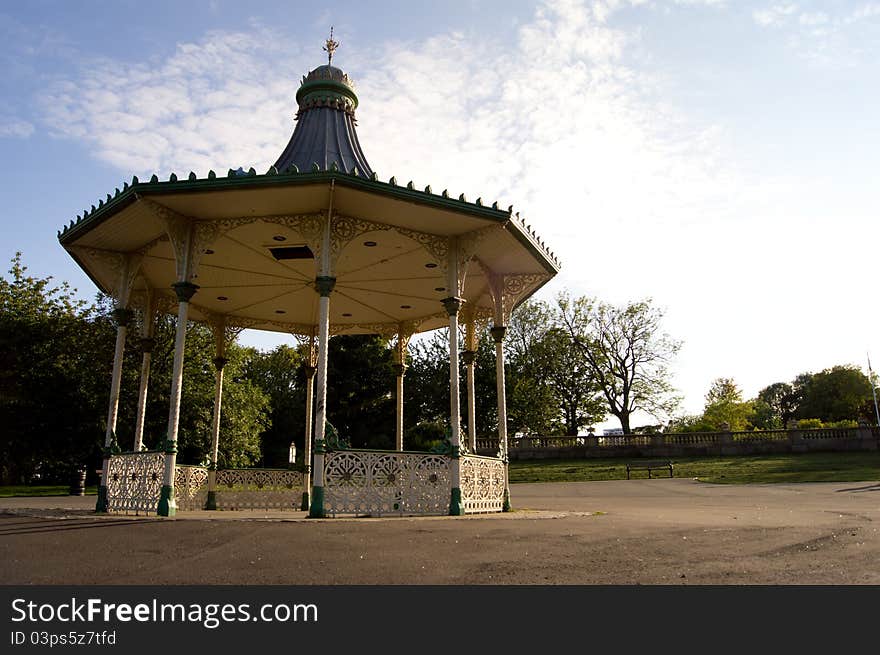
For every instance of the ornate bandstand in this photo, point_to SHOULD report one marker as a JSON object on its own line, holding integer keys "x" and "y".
{"x": 316, "y": 246}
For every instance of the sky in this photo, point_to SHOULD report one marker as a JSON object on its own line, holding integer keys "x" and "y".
{"x": 717, "y": 157}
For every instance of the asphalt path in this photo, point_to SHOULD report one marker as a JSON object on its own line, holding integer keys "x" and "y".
{"x": 626, "y": 532}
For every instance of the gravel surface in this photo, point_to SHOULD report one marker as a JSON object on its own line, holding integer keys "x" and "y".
{"x": 627, "y": 532}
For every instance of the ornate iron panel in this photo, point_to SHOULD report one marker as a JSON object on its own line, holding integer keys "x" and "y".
{"x": 482, "y": 484}
{"x": 259, "y": 489}
{"x": 134, "y": 482}
{"x": 376, "y": 483}
{"x": 190, "y": 487}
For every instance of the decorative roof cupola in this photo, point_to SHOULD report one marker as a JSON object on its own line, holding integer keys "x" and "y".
{"x": 325, "y": 133}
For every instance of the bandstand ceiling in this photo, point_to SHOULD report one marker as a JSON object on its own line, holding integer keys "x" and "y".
{"x": 258, "y": 271}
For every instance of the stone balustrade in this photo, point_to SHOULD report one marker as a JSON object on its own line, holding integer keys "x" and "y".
{"x": 687, "y": 443}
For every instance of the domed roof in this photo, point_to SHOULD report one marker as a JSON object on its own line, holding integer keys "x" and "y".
{"x": 327, "y": 85}
{"x": 325, "y": 132}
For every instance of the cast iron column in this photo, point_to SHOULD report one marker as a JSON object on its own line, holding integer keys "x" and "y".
{"x": 147, "y": 344}
{"x": 307, "y": 454}
{"x": 167, "y": 503}
{"x": 219, "y": 364}
{"x": 452, "y": 305}
{"x": 123, "y": 317}
{"x": 324, "y": 285}
{"x": 498, "y": 335}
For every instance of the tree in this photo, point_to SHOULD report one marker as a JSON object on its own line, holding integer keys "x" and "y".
{"x": 835, "y": 394}
{"x": 55, "y": 358}
{"x": 726, "y": 408}
{"x": 775, "y": 406}
{"x": 279, "y": 374}
{"x": 245, "y": 415}
{"x": 360, "y": 390}
{"x": 553, "y": 387}
{"x": 627, "y": 353}
{"x": 426, "y": 406}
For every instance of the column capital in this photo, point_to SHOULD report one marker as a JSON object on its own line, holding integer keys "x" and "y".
{"x": 468, "y": 357}
{"x": 324, "y": 285}
{"x": 497, "y": 332}
{"x": 399, "y": 369}
{"x": 184, "y": 290}
{"x": 147, "y": 344}
{"x": 220, "y": 362}
{"x": 122, "y": 316}
{"x": 452, "y": 305}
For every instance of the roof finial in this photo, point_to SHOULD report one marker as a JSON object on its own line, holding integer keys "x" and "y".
{"x": 330, "y": 47}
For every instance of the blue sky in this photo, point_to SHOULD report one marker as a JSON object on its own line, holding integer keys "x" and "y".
{"x": 718, "y": 157}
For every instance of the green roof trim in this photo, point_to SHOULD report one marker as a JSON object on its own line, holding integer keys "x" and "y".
{"x": 251, "y": 179}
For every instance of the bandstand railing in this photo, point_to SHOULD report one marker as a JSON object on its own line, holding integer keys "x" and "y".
{"x": 483, "y": 480}
{"x": 376, "y": 483}
{"x": 277, "y": 489}
{"x": 190, "y": 487}
{"x": 134, "y": 485}
{"x": 359, "y": 482}
{"x": 134, "y": 481}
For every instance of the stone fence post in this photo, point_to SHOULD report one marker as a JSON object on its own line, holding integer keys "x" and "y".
{"x": 725, "y": 439}
{"x": 866, "y": 436}
{"x": 795, "y": 437}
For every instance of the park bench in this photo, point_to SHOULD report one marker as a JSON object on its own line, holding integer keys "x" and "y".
{"x": 650, "y": 465}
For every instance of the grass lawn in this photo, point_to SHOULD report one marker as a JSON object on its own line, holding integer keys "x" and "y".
{"x": 41, "y": 490}
{"x": 806, "y": 467}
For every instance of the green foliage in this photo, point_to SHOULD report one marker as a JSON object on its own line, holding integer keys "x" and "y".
{"x": 626, "y": 353}
{"x": 426, "y": 389}
{"x": 279, "y": 375}
{"x": 360, "y": 390}
{"x": 840, "y": 393}
{"x": 835, "y": 394}
{"x": 776, "y": 406}
{"x": 725, "y": 409}
{"x": 553, "y": 390}
{"x": 245, "y": 414}
{"x": 54, "y": 374}
{"x": 426, "y": 435}
{"x": 764, "y": 417}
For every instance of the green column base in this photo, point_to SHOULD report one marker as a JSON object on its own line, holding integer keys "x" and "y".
{"x": 211, "y": 503}
{"x": 305, "y": 502}
{"x": 505, "y": 505}
{"x": 316, "y": 509}
{"x": 167, "y": 503}
{"x": 101, "y": 505}
{"x": 455, "y": 506}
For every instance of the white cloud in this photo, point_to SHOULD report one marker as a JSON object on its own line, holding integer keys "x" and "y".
{"x": 865, "y": 11}
{"x": 830, "y": 39}
{"x": 775, "y": 15}
{"x": 15, "y": 128}
{"x": 817, "y": 18}
{"x": 635, "y": 197}
{"x": 553, "y": 123}
{"x": 218, "y": 103}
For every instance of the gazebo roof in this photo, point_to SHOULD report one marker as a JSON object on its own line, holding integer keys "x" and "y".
{"x": 257, "y": 237}
{"x": 325, "y": 132}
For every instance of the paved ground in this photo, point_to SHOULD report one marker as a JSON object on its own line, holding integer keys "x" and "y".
{"x": 662, "y": 531}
